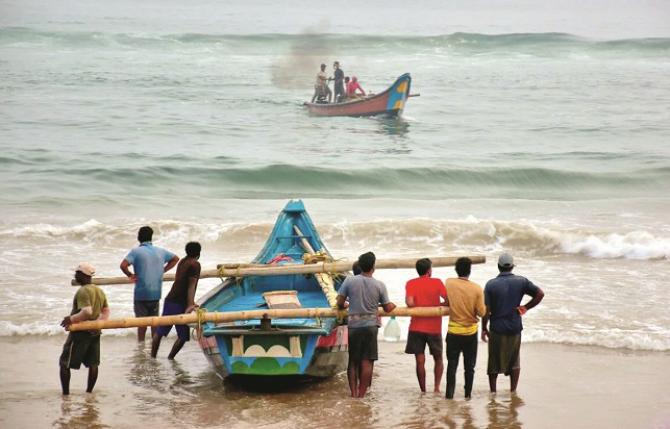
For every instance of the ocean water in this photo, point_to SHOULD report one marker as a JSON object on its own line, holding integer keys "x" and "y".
{"x": 542, "y": 133}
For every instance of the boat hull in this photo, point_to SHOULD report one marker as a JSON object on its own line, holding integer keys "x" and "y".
{"x": 267, "y": 354}
{"x": 310, "y": 347}
{"x": 389, "y": 103}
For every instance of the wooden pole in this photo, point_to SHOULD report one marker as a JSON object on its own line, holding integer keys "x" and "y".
{"x": 325, "y": 280}
{"x": 231, "y": 316}
{"x": 282, "y": 270}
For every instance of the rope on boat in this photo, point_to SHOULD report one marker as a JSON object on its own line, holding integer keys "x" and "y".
{"x": 200, "y": 312}
{"x": 325, "y": 279}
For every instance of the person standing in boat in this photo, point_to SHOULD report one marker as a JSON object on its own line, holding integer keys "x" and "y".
{"x": 364, "y": 294}
{"x": 149, "y": 263}
{"x": 90, "y": 303}
{"x": 425, "y": 291}
{"x": 466, "y": 304}
{"x": 180, "y": 300}
{"x": 353, "y": 86}
{"x": 502, "y": 296}
{"x": 321, "y": 90}
{"x": 338, "y": 77}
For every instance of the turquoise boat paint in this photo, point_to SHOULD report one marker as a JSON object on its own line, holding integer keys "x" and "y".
{"x": 300, "y": 346}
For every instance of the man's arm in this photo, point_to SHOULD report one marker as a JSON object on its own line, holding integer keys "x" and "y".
{"x": 341, "y": 302}
{"x": 409, "y": 301}
{"x": 124, "y": 267}
{"x": 480, "y": 307}
{"x": 537, "y": 298}
{"x": 104, "y": 314}
{"x": 84, "y": 314}
{"x": 192, "y": 285}
{"x": 171, "y": 263}
{"x": 388, "y": 307}
{"x": 485, "y": 323}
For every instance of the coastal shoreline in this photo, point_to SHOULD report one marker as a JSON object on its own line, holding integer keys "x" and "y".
{"x": 561, "y": 386}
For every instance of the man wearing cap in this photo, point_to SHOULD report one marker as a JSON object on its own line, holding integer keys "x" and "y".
{"x": 502, "y": 296}
{"x": 150, "y": 263}
{"x": 90, "y": 303}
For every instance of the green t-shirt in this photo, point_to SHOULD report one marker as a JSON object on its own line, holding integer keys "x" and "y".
{"x": 89, "y": 295}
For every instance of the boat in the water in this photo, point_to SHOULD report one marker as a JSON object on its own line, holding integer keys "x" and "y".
{"x": 390, "y": 102}
{"x": 315, "y": 347}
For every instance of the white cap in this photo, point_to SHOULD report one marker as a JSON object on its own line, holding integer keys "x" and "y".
{"x": 506, "y": 260}
{"x": 86, "y": 268}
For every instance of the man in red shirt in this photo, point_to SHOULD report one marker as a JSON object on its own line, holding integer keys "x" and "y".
{"x": 425, "y": 291}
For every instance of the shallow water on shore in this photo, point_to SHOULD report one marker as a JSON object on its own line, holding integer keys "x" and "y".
{"x": 135, "y": 390}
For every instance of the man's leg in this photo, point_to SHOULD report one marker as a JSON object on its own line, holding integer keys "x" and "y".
{"x": 421, "y": 370}
{"x": 453, "y": 354}
{"x": 372, "y": 366}
{"x": 178, "y": 344}
{"x": 438, "y": 371}
{"x": 65, "y": 379}
{"x": 364, "y": 377}
{"x": 514, "y": 379}
{"x": 352, "y": 377}
{"x": 469, "y": 362}
{"x": 155, "y": 344}
{"x": 493, "y": 380}
{"x": 92, "y": 378}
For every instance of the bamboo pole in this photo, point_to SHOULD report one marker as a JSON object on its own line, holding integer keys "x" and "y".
{"x": 325, "y": 280}
{"x": 241, "y": 270}
{"x": 231, "y": 316}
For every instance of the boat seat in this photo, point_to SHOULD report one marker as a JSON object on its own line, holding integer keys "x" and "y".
{"x": 282, "y": 299}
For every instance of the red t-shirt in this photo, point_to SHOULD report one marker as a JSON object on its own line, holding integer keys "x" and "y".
{"x": 426, "y": 292}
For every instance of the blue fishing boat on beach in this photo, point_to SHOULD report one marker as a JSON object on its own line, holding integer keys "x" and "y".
{"x": 315, "y": 347}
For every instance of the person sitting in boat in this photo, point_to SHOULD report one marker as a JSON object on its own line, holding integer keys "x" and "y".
{"x": 352, "y": 87}
{"x": 322, "y": 93}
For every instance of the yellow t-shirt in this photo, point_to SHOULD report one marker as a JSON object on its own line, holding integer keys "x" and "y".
{"x": 89, "y": 295}
{"x": 466, "y": 303}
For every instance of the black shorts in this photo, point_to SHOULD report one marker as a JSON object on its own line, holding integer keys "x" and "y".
{"x": 416, "y": 343}
{"x": 146, "y": 308}
{"x": 81, "y": 347}
{"x": 363, "y": 343}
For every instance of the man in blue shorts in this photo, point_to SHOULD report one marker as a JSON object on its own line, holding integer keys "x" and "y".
{"x": 502, "y": 296}
{"x": 149, "y": 263}
{"x": 180, "y": 300}
{"x": 365, "y": 294}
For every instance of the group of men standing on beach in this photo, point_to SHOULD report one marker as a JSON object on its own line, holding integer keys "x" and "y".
{"x": 362, "y": 294}
{"x": 499, "y": 303}
{"x": 149, "y": 263}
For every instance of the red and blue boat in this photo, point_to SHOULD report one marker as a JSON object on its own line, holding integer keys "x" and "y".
{"x": 390, "y": 102}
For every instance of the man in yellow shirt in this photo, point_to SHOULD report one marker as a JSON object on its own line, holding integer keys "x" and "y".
{"x": 89, "y": 303}
{"x": 466, "y": 303}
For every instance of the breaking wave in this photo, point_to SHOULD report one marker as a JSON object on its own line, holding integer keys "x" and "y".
{"x": 539, "y": 43}
{"x": 412, "y": 235}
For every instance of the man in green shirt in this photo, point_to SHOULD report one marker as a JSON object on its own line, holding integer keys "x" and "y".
{"x": 90, "y": 303}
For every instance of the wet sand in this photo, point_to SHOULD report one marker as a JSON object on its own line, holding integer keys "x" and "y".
{"x": 561, "y": 387}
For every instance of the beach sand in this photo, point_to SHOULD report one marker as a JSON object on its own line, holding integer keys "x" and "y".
{"x": 561, "y": 387}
